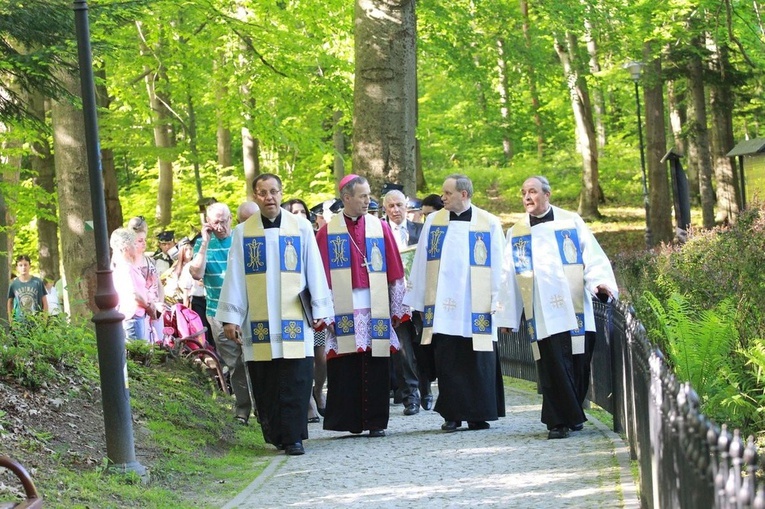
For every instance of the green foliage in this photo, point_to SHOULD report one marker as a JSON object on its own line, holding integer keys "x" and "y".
{"x": 34, "y": 352}
{"x": 701, "y": 303}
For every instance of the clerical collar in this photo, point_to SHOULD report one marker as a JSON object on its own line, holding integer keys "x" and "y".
{"x": 465, "y": 215}
{"x": 547, "y": 216}
{"x": 275, "y": 223}
{"x": 354, "y": 219}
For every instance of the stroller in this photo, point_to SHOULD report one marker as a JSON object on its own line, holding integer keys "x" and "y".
{"x": 184, "y": 336}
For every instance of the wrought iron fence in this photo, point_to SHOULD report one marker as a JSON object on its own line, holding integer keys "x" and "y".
{"x": 685, "y": 460}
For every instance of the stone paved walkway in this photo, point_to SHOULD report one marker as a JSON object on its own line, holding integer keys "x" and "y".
{"x": 511, "y": 465}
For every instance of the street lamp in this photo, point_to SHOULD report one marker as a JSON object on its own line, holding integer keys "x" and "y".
{"x": 110, "y": 338}
{"x": 636, "y": 69}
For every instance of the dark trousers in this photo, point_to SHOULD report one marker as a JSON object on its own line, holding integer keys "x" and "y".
{"x": 407, "y": 378}
{"x": 199, "y": 306}
{"x": 561, "y": 380}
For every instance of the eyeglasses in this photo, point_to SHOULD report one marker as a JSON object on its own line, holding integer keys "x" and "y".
{"x": 272, "y": 192}
{"x": 220, "y": 222}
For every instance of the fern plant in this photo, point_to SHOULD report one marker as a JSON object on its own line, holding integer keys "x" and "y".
{"x": 698, "y": 344}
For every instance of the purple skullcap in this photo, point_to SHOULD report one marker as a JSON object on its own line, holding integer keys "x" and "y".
{"x": 347, "y": 179}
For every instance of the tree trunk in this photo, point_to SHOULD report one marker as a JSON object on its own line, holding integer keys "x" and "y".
{"x": 338, "y": 144}
{"x": 698, "y": 137}
{"x": 164, "y": 135}
{"x": 720, "y": 102}
{"x": 660, "y": 195}
{"x": 504, "y": 100}
{"x": 585, "y": 128}
{"x": 225, "y": 158}
{"x": 10, "y": 157}
{"x": 385, "y": 93}
{"x": 114, "y": 217}
{"x": 43, "y": 165}
{"x": 531, "y": 73}
{"x": 598, "y": 103}
{"x": 251, "y": 160}
{"x": 78, "y": 249}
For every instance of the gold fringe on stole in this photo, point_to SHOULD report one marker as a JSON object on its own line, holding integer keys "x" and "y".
{"x": 292, "y": 326}
{"x": 339, "y": 249}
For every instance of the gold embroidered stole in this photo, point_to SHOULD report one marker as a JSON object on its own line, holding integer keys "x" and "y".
{"x": 292, "y": 325}
{"x": 570, "y": 253}
{"x": 480, "y": 276}
{"x": 339, "y": 246}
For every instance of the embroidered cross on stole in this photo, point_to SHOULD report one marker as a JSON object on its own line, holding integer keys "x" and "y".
{"x": 480, "y": 277}
{"x": 339, "y": 249}
{"x": 292, "y": 324}
{"x": 570, "y": 252}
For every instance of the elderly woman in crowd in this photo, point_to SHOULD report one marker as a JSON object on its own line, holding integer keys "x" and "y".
{"x": 130, "y": 284}
{"x": 156, "y": 297}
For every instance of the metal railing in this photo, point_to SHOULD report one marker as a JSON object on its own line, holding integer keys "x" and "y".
{"x": 685, "y": 460}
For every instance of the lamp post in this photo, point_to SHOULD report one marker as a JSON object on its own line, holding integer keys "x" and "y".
{"x": 636, "y": 69}
{"x": 110, "y": 338}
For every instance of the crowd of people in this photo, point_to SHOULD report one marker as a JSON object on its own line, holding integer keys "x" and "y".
{"x": 377, "y": 299}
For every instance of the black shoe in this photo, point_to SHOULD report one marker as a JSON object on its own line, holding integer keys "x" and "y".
{"x": 450, "y": 426}
{"x": 295, "y": 449}
{"x": 427, "y": 402}
{"x": 313, "y": 420}
{"x": 478, "y": 425}
{"x": 558, "y": 432}
{"x": 411, "y": 409}
{"x": 376, "y": 433}
{"x": 577, "y": 427}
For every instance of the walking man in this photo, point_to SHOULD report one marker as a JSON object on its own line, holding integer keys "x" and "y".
{"x": 273, "y": 259}
{"x": 455, "y": 282}
{"x": 366, "y": 276}
{"x": 209, "y": 264}
{"x": 553, "y": 266}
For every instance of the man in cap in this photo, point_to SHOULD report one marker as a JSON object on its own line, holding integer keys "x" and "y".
{"x": 366, "y": 276}
{"x": 162, "y": 258}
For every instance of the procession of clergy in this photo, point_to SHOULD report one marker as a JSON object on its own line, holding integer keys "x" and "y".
{"x": 467, "y": 280}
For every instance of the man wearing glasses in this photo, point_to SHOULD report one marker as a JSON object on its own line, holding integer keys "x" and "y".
{"x": 275, "y": 293}
{"x": 209, "y": 265}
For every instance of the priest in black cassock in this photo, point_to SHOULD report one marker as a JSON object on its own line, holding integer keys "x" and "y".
{"x": 273, "y": 258}
{"x": 455, "y": 281}
{"x": 365, "y": 273}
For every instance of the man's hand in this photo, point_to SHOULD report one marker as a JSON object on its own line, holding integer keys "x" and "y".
{"x": 233, "y": 333}
{"x": 395, "y": 321}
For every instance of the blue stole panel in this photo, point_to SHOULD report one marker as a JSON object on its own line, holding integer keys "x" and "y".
{"x": 380, "y": 328}
{"x": 340, "y": 251}
{"x": 427, "y": 316}
{"x": 481, "y": 323}
{"x": 373, "y": 245}
{"x": 522, "y": 254}
{"x": 345, "y": 325}
{"x": 568, "y": 247}
{"x": 436, "y": 237}
{"x": 480, "y": 249}
{"x": 292, "y": 330}
{"x": 260, "y": 332}
{"x": 291, "y": 259}
{"x": 254, "y": 254}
